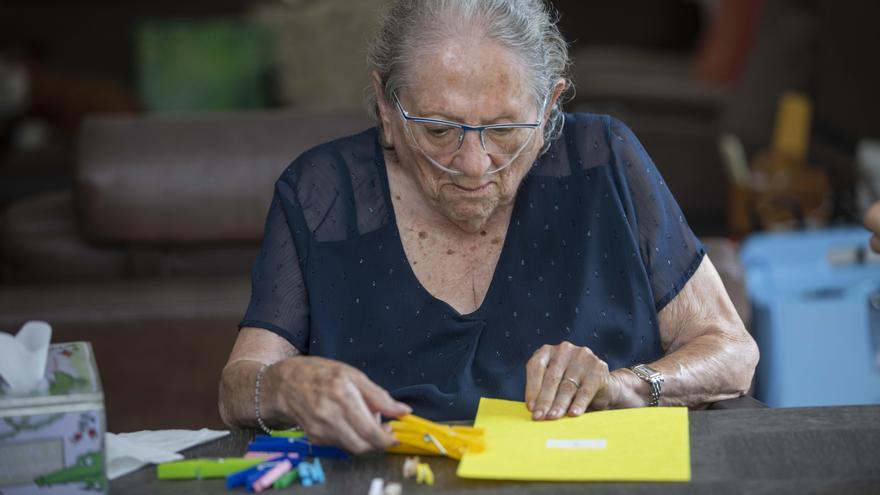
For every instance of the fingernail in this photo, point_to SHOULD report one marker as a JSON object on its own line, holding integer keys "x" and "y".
{"x": 576, "y": 411}
{"x": 555, "y": 413}
{"x": 538, "y": 414}
{"x": 531, "y": 405}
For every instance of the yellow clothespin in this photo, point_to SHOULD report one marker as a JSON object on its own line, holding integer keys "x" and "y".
{"x": 424, "y": 475}
{"x": 422, "y": 472}
{"x": 420, "y": 436}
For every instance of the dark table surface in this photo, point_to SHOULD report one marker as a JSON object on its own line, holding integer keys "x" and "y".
{"x": 798, "y": 450}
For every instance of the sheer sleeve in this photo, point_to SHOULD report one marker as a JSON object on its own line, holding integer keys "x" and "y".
{"x": 279, "y": 301}
{"x": 670, "y": 251}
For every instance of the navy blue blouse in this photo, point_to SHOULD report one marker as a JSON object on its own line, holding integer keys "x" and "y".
{"x": 596, "y": 247}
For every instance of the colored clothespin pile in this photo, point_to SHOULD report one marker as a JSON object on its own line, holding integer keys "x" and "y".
{"x": 420, "y": 436}
{"x": 277, "y": 460}
{"x": 271, "y": 462}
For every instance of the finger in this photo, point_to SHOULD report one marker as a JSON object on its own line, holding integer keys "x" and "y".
{"x": 344, "y": 436}
{"x": 594, "y": 385}
{"x": 550, "y": 381}
{"x": 566, "y": 392}
{"x": 365, "y": 424}
{"x": 379, "y": 400}
{"x": 330, "y": 427}
{"x": 535, "y": 373}
{"x": 875, "y": 243}
{"x": 582, "y": 399}
{"x": 872, "y": 218}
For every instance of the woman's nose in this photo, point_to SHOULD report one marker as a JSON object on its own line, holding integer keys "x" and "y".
{"x": 471, "y": 158}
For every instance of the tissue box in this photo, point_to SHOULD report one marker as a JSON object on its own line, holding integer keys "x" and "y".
{"x": 52, "y": 441}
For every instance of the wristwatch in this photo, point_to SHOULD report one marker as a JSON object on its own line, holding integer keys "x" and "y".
{"x": 653, "y": 377}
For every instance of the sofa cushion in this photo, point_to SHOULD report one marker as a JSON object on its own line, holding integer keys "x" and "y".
{"x": 41, "y": 244}
{"x": 192, "y": 179}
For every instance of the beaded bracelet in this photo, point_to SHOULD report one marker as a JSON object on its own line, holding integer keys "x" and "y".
{"x": 257, "y": 400}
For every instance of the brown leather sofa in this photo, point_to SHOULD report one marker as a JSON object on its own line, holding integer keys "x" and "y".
{"x": 149, "y": 257}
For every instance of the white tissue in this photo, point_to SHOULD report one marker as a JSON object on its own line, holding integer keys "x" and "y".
{"x": 23, "y": 358}
{"x": 127, "y": 452}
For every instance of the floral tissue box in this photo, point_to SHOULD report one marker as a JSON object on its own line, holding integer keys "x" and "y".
{"x": 52, "y": 441}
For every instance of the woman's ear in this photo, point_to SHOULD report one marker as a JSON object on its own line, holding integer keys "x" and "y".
{"x": 554, "y": 97}
{"x": 558, "y": 89}
{"x": 384, "y": 111}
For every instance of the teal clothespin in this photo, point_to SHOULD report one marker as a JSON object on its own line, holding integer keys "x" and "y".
{"x": 318, "y": 471}
{"x": 311, "y": 473}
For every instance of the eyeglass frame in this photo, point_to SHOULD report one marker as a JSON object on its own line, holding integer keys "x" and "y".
{"x": 466, "y": 128}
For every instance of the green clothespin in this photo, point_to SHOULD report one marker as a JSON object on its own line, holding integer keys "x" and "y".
{"x": 288, "y": 433}
{"x": 286, "y": 479}
{"x": 202, "y": 468}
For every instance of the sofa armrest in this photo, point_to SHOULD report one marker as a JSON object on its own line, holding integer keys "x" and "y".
{"x": 642, "y": 80}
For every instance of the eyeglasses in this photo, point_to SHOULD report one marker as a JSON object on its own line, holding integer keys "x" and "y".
{"x": 439, "y": 139}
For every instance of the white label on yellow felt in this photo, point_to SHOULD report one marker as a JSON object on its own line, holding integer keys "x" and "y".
{"x": 576, "y": 443}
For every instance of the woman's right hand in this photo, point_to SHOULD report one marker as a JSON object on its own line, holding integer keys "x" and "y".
{"x": 334, "y": 403}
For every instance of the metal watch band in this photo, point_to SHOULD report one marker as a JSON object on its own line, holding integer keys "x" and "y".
{"x": 653, "y": 377}
{"x": 655, "y": 393}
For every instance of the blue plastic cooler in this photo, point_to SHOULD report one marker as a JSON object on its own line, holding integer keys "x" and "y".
{"x": 816, "y": 317}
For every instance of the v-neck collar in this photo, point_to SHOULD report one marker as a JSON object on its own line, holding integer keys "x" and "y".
{"x": 503, "y": 260}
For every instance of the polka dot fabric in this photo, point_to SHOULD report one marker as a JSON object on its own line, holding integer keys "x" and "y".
{"x": 596, "y": 247}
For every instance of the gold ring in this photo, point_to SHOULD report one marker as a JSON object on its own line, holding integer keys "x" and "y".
{"x": 573, "y": 382}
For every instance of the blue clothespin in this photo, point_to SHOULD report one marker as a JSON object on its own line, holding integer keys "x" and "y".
{"x": 252, "y": 478}
{"x": 240, "y": 478}
{"x": 264, "y": 443}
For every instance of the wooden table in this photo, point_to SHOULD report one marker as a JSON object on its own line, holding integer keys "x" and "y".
{"x": 800, "y": 450}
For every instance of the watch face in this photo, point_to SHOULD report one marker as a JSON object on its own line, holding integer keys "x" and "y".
{"x": 647, "y": 372}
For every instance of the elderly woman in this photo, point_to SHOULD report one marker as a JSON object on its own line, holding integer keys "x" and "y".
{"x": 477, "y": 242}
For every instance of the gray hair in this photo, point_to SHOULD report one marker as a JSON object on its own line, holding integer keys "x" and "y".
{"x": 525, "y": 27}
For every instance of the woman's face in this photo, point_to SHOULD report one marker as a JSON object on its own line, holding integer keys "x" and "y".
{"x": 472, "y": 82}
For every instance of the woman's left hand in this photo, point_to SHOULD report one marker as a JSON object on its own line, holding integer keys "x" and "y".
{"x": 567, "y": 379}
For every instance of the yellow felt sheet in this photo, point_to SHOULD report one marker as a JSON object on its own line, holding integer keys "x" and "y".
{"x": 644, "y": 444}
